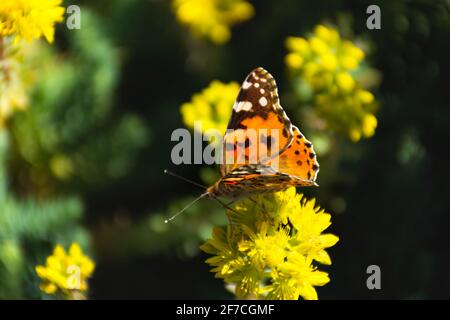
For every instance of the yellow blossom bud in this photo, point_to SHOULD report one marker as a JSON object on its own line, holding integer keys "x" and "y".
{"x": 220, "y": 34}
{"x": 328, "y": 35}
{"x": 310, "y": 69}
{"x": 243, "y": 11}
{"x": 322, "y": 32}
{"x": 345, "y": 81}
{"x": 294, "y": 60}
{"x": 369, "y": 125}
{"x": 365, "y": 96}
{"x": 349, "y": 62}
{"x": 355, "y": 135}
{"x": 348, "y": 48}
{"x": 318, "y": 45}
{"x": 329, "y": 61}
{"x": 297, "y": 44}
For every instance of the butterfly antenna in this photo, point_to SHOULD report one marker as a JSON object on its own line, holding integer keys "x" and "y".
{"x": 184, "y": 179}
{"x": 190, "y": 204}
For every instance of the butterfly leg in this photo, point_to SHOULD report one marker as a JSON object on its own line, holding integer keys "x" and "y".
{"x": 227, "y": 206}
{"x": 230, "y": 203}
{"x": 230, "y": 223}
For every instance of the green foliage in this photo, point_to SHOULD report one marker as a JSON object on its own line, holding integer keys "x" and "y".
{"x": 27, "y": 234}
{"x": 71, "y": 134}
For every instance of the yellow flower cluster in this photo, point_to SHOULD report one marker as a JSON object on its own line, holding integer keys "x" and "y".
{"x": 328, "y": 65}
{"x": 212, "y": 18}
{"x": 212, "y": 106}
{"x": 272, "y": 246}
{"x": 30, "y": 19}
{"x": 66, "y": 272}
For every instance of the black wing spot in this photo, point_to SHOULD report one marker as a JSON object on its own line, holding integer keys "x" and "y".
{"x": 312, "y": 155}
{"x": 270, "y": 141}
{"x": 267, "y": 140}
{"x": 247, "y": 143}
{"x": 308, "y": 144}
{"x": 309, "y": 174}
{"x": 297, "y": 152}
{"x": 299, "y": 162}
{"x": 315, "y": 167}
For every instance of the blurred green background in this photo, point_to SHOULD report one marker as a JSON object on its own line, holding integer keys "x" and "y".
{"x": 95, "y": 140}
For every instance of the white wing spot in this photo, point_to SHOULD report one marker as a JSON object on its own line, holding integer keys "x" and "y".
{"x": 263, "y": 101}
{"x": 262, "y": 91}
{"x": 246, "y": 85}
{"x": 243, "y": 106}
{"x": 263, "y": 79}
{"x": 256, "y": 85}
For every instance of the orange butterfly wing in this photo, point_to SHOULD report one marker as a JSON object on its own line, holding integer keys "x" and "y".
{"x": 298, "y": 161}
{"x": 259, "y": 129}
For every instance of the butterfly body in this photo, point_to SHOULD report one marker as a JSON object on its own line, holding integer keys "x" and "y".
{"x": 263, "y": 152}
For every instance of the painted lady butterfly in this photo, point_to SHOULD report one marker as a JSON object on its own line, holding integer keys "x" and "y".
{"x": 292, "y": 161}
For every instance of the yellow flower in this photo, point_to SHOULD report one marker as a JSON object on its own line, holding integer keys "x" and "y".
{"x": 310, "y": 223}
{"x": 327, "y": 64}
{"x": 66, "y": 273}
{"x": 296, "y": 277}
{"x": 350, "y": 112}
{"x": 270, "y": 249}
{"x": 212, "y": 18}
{"x": 212, "y": 106}
{"x": 30, "y": 19}
{"x": 327, "y": 52}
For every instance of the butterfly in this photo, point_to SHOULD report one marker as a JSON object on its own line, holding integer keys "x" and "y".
{"x": 283, "y": 157}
